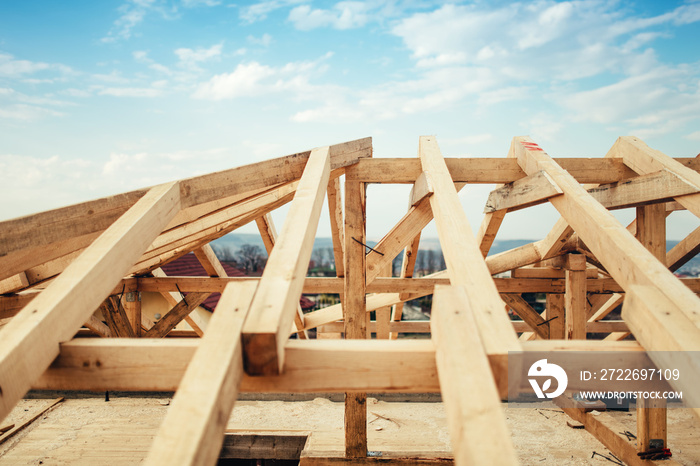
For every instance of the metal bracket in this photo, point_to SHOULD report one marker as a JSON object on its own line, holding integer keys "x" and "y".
{"x": 133, "y": 296}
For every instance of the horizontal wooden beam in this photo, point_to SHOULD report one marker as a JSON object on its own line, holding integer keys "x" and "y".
{"x": 311, "y": 366}
{"x": 497, "y": 170}
{"x": 387, "y": 366}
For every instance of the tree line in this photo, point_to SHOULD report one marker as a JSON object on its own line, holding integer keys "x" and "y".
{"x": 251, "y": 259}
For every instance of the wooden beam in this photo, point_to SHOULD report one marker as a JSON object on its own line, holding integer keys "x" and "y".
{"x": 644, "y": 160}
{"x": 383, "y": 314}
{"x": 313, "y": 366}
{"x": 95, "y": 216}
{"x": 198, "y": 318}
{"x": 651, "y": 414}
{"x": 44, "y": 228}
{"x": 29, "y": 342}
{"x": 272, "y": 312}
{"x": 210, "y": 262}
{"x": 475, "y": 418}
{"x": 335, "y": 209}
{"x": 652, "y": 188}
{"x": 608, "y": 305}
{"x": 98, "y": 327}
{"x": 187, "y": 237}
{"x": 354, "y": 315}
{"x": 685, "y": 250}
{"x": 527, "y": 313}
{"x": 132, "y": 306}
{"x": 268, "y": 232}
{"x": 408, "y": 264}
{"x": 609, "y": 431}
{"x": 575, "y": 297}
{"x": 525, "y": 192}
{"x": 489, "y": 170}
{"x": 193, "y": 430}
{"x": 11, "y": 304}
{"x": 176, "y": 315}
{"x": 489, "y": 228}
{"x": 400, "y": 236}
{"x": 465, "y": 263}
{"x": 556, "y": 316}
{"x": 117, "y": 320}
{"x": 420, "y": 190}
{"x": 262, "y": 174}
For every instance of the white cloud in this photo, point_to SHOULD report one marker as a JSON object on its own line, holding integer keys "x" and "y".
{"x": 22, "y": 107}
{"x": 131, "y": 14}
{"x": 131, "y": 92}
{"x": 259, "y": 11}
{"x": 10, "y": 67}
{"x": 25, "y": 112}
{"x": 251, "y": 79}
{"x": 191, "y": 58}
{"x": 343, "y": 15}
{"x": 694, "y": 136}
{"x": 640, "y": 100}
{"x": 265, "y": 40}
{"x": 198, "y": 3}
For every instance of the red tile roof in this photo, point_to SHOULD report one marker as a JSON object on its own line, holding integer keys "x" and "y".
{"x": 189, "y": 266}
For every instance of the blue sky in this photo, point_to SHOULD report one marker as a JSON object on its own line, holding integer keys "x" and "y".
{"x": 102, "y": 97}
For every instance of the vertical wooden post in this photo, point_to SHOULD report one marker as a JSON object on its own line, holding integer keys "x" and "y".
{"x": 651, "y": 414}
{"x": 355, "y": 311}
{"x": 556, "y": 316}
{"x": 132, "y": 307}
{"x": 383, "y": 314}
{"x": 575, "y": 297}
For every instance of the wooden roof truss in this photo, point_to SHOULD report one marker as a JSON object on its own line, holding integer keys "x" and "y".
{"x": 58, "y": 267}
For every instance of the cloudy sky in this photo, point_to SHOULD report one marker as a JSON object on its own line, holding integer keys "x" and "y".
{"x": 102, "y": 97}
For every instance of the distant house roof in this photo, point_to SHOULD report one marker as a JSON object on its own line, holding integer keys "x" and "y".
{"x": 189, "y": 266}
